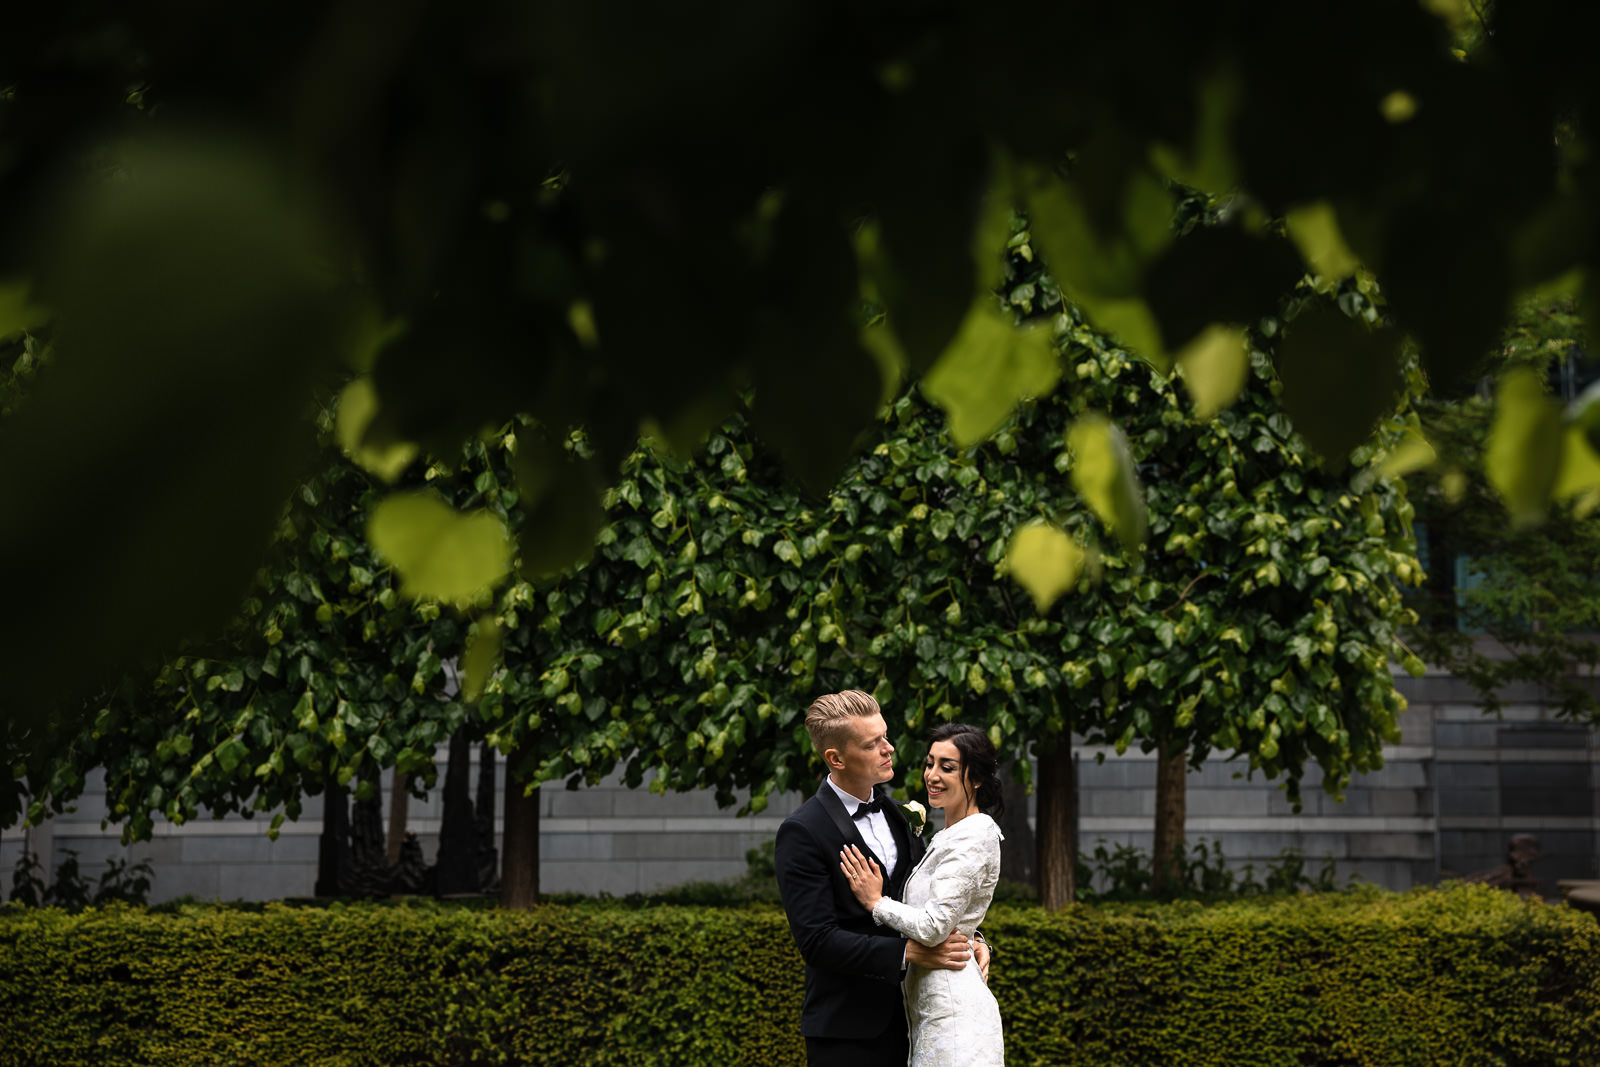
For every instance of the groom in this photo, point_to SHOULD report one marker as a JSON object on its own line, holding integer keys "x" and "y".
{"x": 853, "y": 1012}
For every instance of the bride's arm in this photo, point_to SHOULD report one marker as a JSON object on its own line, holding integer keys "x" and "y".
{"x": 953, "y": 882}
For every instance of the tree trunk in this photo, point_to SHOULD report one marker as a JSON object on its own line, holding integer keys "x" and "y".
{"x": 1171, "y": 798}
{"x": 1058, "y": 825}
{"x": 333, "y": 850}
{"x": 458, "y": 846}
{"x": 1017, "y": 853}
{"x": 519, "y": 854}
{"x": 399, "y": 814}
{"x": 483, "y": 819}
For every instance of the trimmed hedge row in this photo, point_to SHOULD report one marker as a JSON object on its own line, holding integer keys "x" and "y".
{"x": 1463, "y": 975}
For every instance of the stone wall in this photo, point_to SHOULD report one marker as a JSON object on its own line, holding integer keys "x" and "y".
{"x": 1445, "y": 804}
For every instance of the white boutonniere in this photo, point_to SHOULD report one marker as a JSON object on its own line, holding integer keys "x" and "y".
{"x": 916, "y": 815}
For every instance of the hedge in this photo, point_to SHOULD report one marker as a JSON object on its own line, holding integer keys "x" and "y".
{"x": 1462, "y": 975}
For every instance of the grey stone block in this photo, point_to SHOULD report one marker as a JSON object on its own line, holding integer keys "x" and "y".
{"x": 1397, "y": 875}
{"x": 664, "y": 874}
{"x": 1312, "y": 802}
{"x": 641, "y": 803}
{"x": 294, "y": 848}
{"x": 1469, "y": 802}
{"x": 1118, "y": 774}
{"x": 679, "y": 846}
{"x": 1226, "y": 802}
{"x": 1460, "y": 776}
{"x": 182, "y": 880}
{"x": 589, "y": 876}
{"x": 1465, "y": 734}
{"x": 1472, "y": 843}
{"x": 1357, "y": 801}
{"x": 1118, "y": 801}
{"x": 1221, "y": 774}
{"x": 1571, "y": 776}
{"x": 1400, "y": 774}
{"x": 265, "y": 881}
{"x": 1544, "y": 735}
{"x": 1556, "y": 801}
{"x": 575, "y": 847}
{"x": 581, "y": 803}
{"x": 92, "y": 852}
{"x": 1405, "y": 846}
{"x": 233, "y": 848}
{"x": 157, "y": 850}
{"x": 1402, "y": 802}
{"x": 1417, "y": 727}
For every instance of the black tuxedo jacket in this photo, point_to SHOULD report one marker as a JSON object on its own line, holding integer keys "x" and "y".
{"x": 852, "y": 963}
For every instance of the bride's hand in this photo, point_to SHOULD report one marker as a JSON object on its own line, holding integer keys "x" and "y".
{"x": 866, "y": 880}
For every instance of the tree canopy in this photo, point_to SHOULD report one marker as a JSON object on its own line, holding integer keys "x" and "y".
{"x": 532, "y": 209}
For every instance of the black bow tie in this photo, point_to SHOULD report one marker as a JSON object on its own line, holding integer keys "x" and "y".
{"x": 863, "y": 810}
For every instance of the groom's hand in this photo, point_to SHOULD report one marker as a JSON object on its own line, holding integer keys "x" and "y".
{"x": 980, "y": 952}
{"x": 952, "y": 955}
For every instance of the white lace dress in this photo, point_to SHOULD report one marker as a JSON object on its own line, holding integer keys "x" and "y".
{"x": 954, "y": 1019}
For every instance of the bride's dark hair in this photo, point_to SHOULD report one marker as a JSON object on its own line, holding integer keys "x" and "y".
{"x": 980, "y": 764}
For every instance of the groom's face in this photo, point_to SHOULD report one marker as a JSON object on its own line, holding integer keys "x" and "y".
{"x": 868, "y": 757}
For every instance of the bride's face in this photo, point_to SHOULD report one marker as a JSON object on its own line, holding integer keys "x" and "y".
{"x": 942, "y": 774}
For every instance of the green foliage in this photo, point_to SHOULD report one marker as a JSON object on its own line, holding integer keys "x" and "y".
{"x": 325, "y": 674}
{"x": 70, "y": 890}
{"x": 546, "y": 218}
{"x": 1199, "y": 872}
{"x": 1531, "y": 592}
{"x": 1466, "y": 974}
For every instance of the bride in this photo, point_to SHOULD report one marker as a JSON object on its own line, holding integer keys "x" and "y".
{"x": 954, "y": 1019}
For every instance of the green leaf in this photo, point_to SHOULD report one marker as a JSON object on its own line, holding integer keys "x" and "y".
{"x": 1339, "y": 377}
{"x": 989, "y": 366}
{"x": 305, "y": 713}
{"x": 483, "y": 649}
{"x": 1215, "y": 366}
{"x": 1522, "y": 455}
{"x": 1092, "y": 255}
{"x": 1314, "y": 229}
{"x": 1102, "y": 473}
{"x": 17, "y": 314}
{"x": 1044, "y": 561}
{"x": 358, "y": 406}
{"x": 439, "y": 552}
{"x": 1413, "y": 453}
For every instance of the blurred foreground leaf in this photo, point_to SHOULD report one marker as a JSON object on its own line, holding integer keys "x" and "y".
{"x": 483, "y": 650}
{"x": 440, "y": 553}
{"x": 1044, "y": 561}
{"x": 358, "y": 404}
{"x": 1214, "y": 366}
{"x": 1522, "y": 456}
{"x": 193, "y": 311}
{"x": 1103, "y": 474}
{"x": 1340, "y": 377}
{"x": 990, "y": 365}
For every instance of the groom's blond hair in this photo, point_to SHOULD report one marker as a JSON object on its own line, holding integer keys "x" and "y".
{"x": 827, "y": 720}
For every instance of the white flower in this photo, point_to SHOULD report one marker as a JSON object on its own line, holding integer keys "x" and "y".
{"x": 916, "y": 815}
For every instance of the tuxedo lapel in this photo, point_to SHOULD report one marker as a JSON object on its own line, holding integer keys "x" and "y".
{"x": 841, "y": 819}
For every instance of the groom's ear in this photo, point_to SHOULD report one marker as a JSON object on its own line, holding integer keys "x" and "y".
{"x": 832, "y": 759}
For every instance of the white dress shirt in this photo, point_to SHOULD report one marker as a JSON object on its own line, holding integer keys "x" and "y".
{"x": 874, "y": 830}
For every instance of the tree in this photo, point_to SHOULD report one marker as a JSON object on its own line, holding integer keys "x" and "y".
{"x": 1529, "y": 589}
{"x": 543, "y": 195}
{"x": 1258, "y": 619}
{"x": 326, "y": 675}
